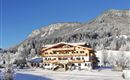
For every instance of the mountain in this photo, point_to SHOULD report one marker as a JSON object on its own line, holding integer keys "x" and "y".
{"x": 1, "y": 50}
{"x": 110, "y": 30}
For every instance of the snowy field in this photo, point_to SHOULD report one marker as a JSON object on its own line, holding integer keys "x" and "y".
{"x": 40, "y": 74}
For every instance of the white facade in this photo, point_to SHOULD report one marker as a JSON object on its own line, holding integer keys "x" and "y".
{"x": 48, "y": 66}
{"x": 68, "y": 56}
{"x": 85, "y": 58}
{"x": 84, "y": 65}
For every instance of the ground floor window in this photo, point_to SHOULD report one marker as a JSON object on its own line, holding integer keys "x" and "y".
{"x": 78, "y": 58}
{"x": 72, "y": 64}
{"x": 79, "y": 64}
{"x": 46, "y": 64}
{"x": 85, "y": 64}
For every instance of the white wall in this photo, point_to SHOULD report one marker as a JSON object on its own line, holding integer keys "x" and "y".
{"x": 48, "y": 67}
{"x": 86, "y": 58}
{"x": 87, "y": 67}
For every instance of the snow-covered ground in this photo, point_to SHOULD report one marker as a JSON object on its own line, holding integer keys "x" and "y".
{"x": 40, "y": 74}
{"x": 126, "y": 74}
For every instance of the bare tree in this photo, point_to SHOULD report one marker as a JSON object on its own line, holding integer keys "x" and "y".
{"x": 32, "y": 53}
{"x": 123, "y": 60}
{"x": 21, "y": 53}
{"x": 8, "y": 73}
{"x": 104, "y": 57}
{"x": 119, "y": 61}
{"x": 125, "y": 47}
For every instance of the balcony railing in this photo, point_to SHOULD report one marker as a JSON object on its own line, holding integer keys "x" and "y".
{"x": 62, "y": 49}
{"x": 64, "y": 61}
{"x": 50, "y": 61}
{"x": 64, "y": 54}
{"x": 76, "y": 61}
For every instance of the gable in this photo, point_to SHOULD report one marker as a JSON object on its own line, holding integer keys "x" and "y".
{"x": 58, "y": 45}
{"x": 64, "y": 45}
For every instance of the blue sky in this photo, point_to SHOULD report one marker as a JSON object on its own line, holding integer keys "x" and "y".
{"x": 20, "y": 17}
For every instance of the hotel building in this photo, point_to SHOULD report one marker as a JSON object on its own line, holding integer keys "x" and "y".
{"x": 68, "y": 56}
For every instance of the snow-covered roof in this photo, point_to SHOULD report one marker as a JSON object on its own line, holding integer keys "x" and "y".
{"x": 49, "y": 45}
{"x": 62, "y": 43}
{"x": 36, "y": 60}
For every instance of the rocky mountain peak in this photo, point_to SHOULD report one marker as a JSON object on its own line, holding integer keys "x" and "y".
{"x": 117, "y": 13}
{"x": 113, "y": 15}
{"x": 51, "y": 28}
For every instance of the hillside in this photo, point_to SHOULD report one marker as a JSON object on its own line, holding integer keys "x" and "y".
{"x": 110, "y": 30}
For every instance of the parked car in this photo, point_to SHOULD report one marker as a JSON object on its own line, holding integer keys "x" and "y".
{"x": 126, "y": 74}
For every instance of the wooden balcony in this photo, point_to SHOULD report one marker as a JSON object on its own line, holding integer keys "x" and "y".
{"x": 64, "y": 54}
{"x": 64, "y": 61}
{"x": 63, "y": 49}
{"x": 76, "y": 61}
{"x": 50, "y": 61}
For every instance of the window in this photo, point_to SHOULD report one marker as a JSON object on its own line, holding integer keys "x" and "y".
{"x": 78, "y": 58}
{"x": 64, "y": 58}
{"x": 81, "y": 51}
{"x": 51, "y": 53}
{"x": 76, "y": 51}
{"x": 54, "y": 58}
{"x": 49, "y": 58}
{"x": 79, "y": 64}
{"x": 67, "y": 52}
{"x": 45, "y": 58}
{"x": 85, "y": 64}
{"x": 54, "y": 52}
{"x": 46, "y": 53}
{"x": 73, "y": 64}
{"x": 82, "y": 58}
{"x": 59, "y": 58}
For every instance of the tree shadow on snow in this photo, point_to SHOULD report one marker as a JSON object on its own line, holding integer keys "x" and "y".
{"x": 20, "y": 76}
